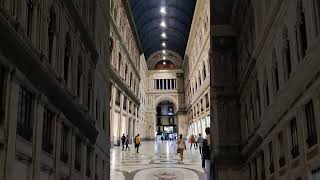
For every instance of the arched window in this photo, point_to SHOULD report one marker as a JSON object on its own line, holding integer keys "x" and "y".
{"x": 258, "y": 98}
{"x": 67, "y": 57}
{"x": 275, "y": 72}
{"x": 29, "y": 17}
{"x": 92, "y": 17}
{"x": 204, "y": 71}
{"x": 111, "y": 46}
{"x": 200, "y": 81}
{"x": 287, "y": 54}
{"x": 79, "y": 74}
{"x": 130, "y": 79}
{"x": 266, "y": 89}
{"x": 302, "y": 36}
{"x": 90, "y": 88}
{"x": 51, "y": 31}
{"x": 119, "y": 63}
{"x": 125, "y": 72}
{"x": 316, "y": 16}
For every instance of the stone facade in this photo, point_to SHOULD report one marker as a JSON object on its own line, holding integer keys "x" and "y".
{"x": 197, "y": 71}
{"x": 53, "y": 102}
{"x": 265, "y": 79}
{"x": 128, "y": 70}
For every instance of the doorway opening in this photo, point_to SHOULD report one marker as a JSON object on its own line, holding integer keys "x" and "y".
{"x": 167, "y": 122}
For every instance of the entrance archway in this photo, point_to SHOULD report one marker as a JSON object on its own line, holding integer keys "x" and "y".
{"x": 166, "y": 120}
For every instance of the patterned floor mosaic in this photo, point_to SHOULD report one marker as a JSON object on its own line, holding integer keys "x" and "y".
{"x": 156, "y": 161}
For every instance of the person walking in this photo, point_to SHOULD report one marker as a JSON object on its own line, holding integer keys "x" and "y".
{"x": 127, "y": 143}
{"x": 123, "y": 140}
{"x": 206, "y": 154}
{"x": 181, "y": 147}
{"x": 195, "y": 141}
{"x": 192, "y": 141}
{"x": 200, "y": 142}
{"x": 137, "y": 142}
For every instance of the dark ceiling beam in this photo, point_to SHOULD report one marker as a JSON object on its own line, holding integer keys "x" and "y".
{"x": 168, "y": 9}
{"x": 157, "y": 35}
{"x": 150, "y": 18}
{"x": 156, "y": 3}
{"x": 156, "y": 28}
{"x": 171, "y": 43}
{"x": 170, "y": 22}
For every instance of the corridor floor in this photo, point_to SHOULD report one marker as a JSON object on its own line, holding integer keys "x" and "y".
{"x": 155, "y": 161}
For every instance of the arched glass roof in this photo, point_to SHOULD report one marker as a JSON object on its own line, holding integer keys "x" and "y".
{"x": 177, "y": 16}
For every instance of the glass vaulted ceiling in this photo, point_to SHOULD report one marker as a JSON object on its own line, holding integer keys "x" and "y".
{"x": 163, "y": 24}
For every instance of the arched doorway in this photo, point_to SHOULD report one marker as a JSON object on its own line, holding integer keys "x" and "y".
{"x": 166, "y": 120}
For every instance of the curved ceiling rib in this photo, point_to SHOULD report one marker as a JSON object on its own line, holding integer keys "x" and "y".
{"x": 171, "y": 34}
{"x": 171, "y": 12}
{"x": 177, "y": 17}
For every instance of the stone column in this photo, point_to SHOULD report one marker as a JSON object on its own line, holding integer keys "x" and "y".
{"x": 112, "y": 111}
{"x": 11, "y": 120}
{"x": 57, "y": 147}
{"x": 120, "y": 120}
{"x": 128, "y": 116}
{"x": 34, "y": 27}
{"x": 37, "y": 138}
{"x": 226, "y": 132}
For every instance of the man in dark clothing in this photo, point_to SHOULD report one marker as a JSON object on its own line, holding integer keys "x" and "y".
{"x": 206, "y": 154}
{"x": 127, "y": 143}
{"x": 123, "y": 141}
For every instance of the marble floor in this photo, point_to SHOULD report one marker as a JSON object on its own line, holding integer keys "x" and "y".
{"x": 155, "y": 161}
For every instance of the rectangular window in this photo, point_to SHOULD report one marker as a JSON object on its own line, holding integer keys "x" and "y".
{"x": 24, "y": 119}
{"x": 48, "y": 131}
{"x": 64, "y": 149}
{"x": 118, "y": 97}
{"x": 311, "y": 124}
{"x": 104, "y": 120}
{"x": 134, "y": 109}
{"x": 266, "y": 91}
{"x": 258, "y": 98}
{"x": 262, "y": 171}
{"x": 88, "y": 161}
{"x": 201, "y": 104}
{"x": 255, "y": 168}
{"x": 294, "y": 138}
{"x": 172, "y": 83}
{"x": 204, "y": 72}
{"x": 282, "y": 159}
{"x": 78, "y": 154}
{"x": 207, "y": 100}
{"x": 125, "y": 103}
{"x": 271, "y": 165}
{"x": 2, "y": 91}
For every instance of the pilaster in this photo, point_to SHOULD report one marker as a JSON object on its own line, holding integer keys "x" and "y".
{"x": 13, "y": 91}
{"x": 226, "y": 132}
